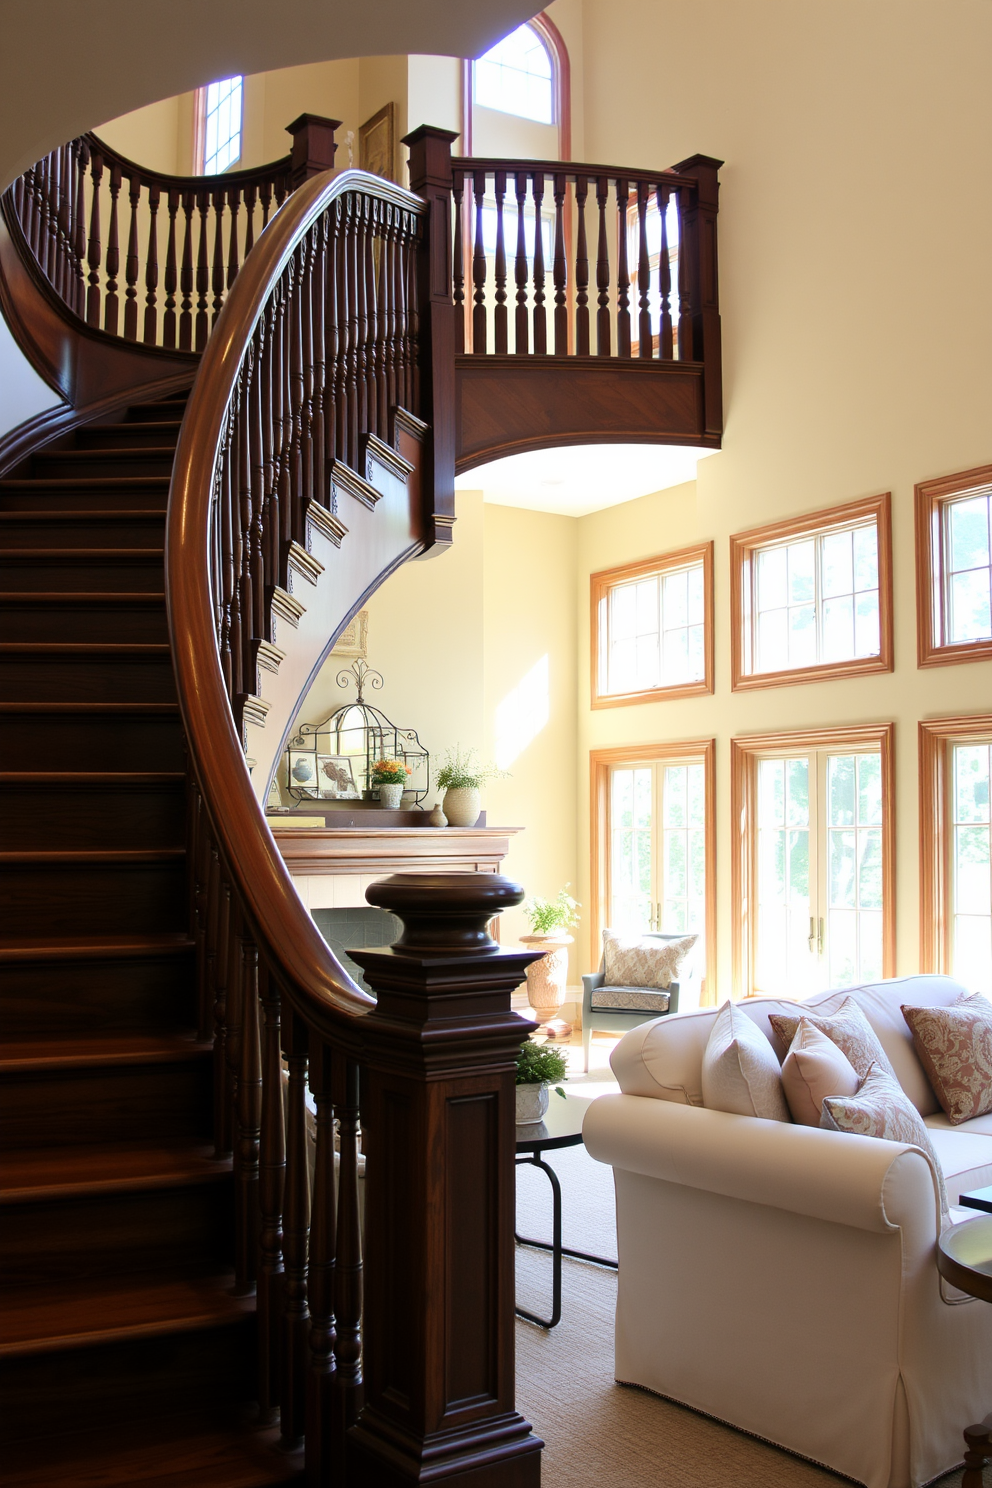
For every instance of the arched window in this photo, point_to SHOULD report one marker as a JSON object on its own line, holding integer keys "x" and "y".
{"x": 516, "y": 76}
{"x": 219, "y": 120}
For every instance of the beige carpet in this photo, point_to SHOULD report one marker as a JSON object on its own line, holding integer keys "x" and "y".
{"x": 599, "y": 1434}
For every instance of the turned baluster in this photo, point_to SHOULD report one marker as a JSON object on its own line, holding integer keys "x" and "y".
{"x": 131, "y": 262}
{"x": 581, "y": 270}
{"x": 249, "y": 1110}
{"x": 110, "y": 302}
{"x": 645, "y": 338}
{"x": 362, "y": 322}
{"x": 271, "y": 1185}
{"x": 200, "y": 861}
{"x": 34, "y": 216}
{"x": 265, "y": 197}
{"x": 318, "y": 357}
{"x": 186, "y": 277}
{"x": 251, "y": 196}
{"x": 234, "y": 203}
{"x": 81, "y": 155}
{"x": 202, "y": 272}
{"x": 603, "y": 271}
{"x": 685, "y": 348}
{"x": 151, "y": 267}
{"x": 623, "y": 272}
{"x": 226, "y": 535}
{"x": 521, "y": 327}
{"x": 413, "y": 323}
{"x": 540, "y": 312}
{"x": 217, "y": 274}
{"x": 458, "y": 261}
{"x": 284, "y": 345}
{"x": 270, "y": 546}
{"x": 170, "y": 277}
{"x": 66, "y": 224}
{"x": 241, "y": 675}
{"x": 372, "y": 318}
{"x": 350, "y": 303}
{"x": 560, "y": 268}
{"x": 665, "y": 346}
{"x": 218, "y": 992}
{"x": 348, "y": 1383}
{"x": 296, "y": 1228}
{"x": 479, "y": 267}
{"x": 320, "y": 1274}
{"x": 296, "y": 532}
{"x": 387, "y": 276}
{"x": 500, "y": 314}
{"x": 43, "y": 251}
{"x": 332, "y": 343}
{"x": 307, "y": 252}
{"x": 254, "y": 607}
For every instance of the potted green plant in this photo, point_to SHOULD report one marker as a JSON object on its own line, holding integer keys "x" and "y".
{"x": 389, "y": 777}
{"x": 550, "y": 921}
{"x": 537, "y": 1066}
{"x": 461, "y": 777}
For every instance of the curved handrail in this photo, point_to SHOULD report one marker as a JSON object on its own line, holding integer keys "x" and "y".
{"x": 255, "y": 175}
{"x": 286, "y": 934}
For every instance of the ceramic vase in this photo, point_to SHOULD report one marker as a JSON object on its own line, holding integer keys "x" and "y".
{"x": 461, "y": 805}
{"x": 547, "y": 980}
{"x": 532, "y": 1102}
{"x": 390, "y": 795}
{"x": 437, "y": 817}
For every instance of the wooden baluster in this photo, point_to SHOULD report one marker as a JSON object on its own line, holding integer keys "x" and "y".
{"x": 560, "y": 268}
{"x": 170, "y": 278}
{"x": 110, "y": 302}
{"x": 186, "y": 277}
{"x": 372, "y": 319}
{"x": 272, "y": 1180}
{"x": 684, "y": 202}
{"x": 67, "y": 278}
{"x": 35, "y": 215}
{"x": 200, "y": 860}
{"x": 665, "y": 346}
{"x": 55, "y": 256}
{"x": 521, "y": 328}
{"x": 253, "y": 605}
{"x": 307, "y": 252}
{"x": 234, "y": 204}
{"x": 226, "y": 534}
{"x": 296, "y": 1226}
{"x": 332, "y": 343}
{"x": 251, "y": 195}
{"x": 413, "y": 301}
{"x": 284, "y": 365}
{"x": 296, "y": 532}
{"x": 270, "y": 550}
{"x": 249, "y": 1109}
{"x": 81, "y": 151}
{"x": 500, "y": 314}
{"x": 217, "y": 274}
{"x": 362, "y": 325}
{"x": 645, "y": 336}
{"x": 350, "y": 304}
{"x": 603, "y": 271}
{"x": 202, "y": 272}
{"x": 479, "y": 267}
{"x": 540, "y": 313}
{"x": 387, "y": 274}
{"x": 318, "y": 356}
{"x": 39, "y": 242}
{"x": 407, "y": 302}
{"x": 218, "y": 989}
{"x": 458, "y": 261}
{"x": 151, "y": 267}
{"x": 44, "y": 248}
{"x": 241, "y": 656}
{"x": 131, "y": 265}
{"x": 581, "y": 270}
{"x": 348, "y": 1288}
{"x": 265, "y": 197}
{"x": 623, "y": 273}
{"x": 280, "y": 462}
{"x": 320, "y": 1276}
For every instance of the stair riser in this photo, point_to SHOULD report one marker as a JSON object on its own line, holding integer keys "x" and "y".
{"x": 83, "y": 531}
{"x": 126, "y": 436}
{"x": 67, "y": 899}
{"x": 106, "y": 817}
{"x": 166, "y": 411}
{"x": 153, "y": 1103}
{"x": 95, "y": 1238}
{"x": 99, "y": 463}
{"x": 88, "y": 998}
{"x": 91, "y": 621}
{"x": 46, "y": 741}
{"x": 125, "y": 575}
{"x": 143, "y": 1379}
{"x": 86, "y": 679}
{"x": 137, "y": 497}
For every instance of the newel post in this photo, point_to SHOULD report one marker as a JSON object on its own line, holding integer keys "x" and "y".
{"x": 313, "y": 147}
{"x": 430, "y": 177}
{"x": 438, "y": 1114}
{"x": 700, "y": 231}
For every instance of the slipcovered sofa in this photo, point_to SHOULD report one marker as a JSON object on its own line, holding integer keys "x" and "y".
{"x": 782, "y": 1278}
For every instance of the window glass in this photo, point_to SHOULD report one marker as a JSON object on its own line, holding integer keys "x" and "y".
{"x": 515, "y": 77}
{"x": 815, "y": 600}
{"x": 222, "y": 125}
{"x": 968, "y": 568}
{"x": 654, "y": 631}
{"x": 971, "y": 866}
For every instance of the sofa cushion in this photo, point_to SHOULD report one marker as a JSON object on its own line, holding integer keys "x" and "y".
{"x": 629, "y": 1000}
{"x": 635, "y": 961}
{"x": 740, "y": 1070}
{"x": 955, "y": 1047}
{"x": 881, "y": 1108}
{"x": 850, "y": 1031}
{"x": 814, "y": 1068}
{"x": 965, "y": 1157}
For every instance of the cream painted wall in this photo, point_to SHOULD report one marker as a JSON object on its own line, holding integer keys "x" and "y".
{"x": 159, "y": 136}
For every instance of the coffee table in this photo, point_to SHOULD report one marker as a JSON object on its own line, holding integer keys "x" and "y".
{"x": 561, "y": 1127}
{"x": 979, "y": 1198}
{"x": 964, "y": 1258}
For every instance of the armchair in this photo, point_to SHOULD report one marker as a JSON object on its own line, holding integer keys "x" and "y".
{"x": 618, "y": 1009}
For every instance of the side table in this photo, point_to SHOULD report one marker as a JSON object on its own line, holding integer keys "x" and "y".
{"x": 964, "y": 1258}
{"x": 561, "y": 1127}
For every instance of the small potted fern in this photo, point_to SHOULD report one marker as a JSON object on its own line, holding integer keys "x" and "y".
{"x": 537, "y": 1066}
{"x": 461, "y": 777}
{"x": 550, "y": 921}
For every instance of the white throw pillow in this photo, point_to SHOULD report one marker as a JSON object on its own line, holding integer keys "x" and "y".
{"x": 632, "y": 961}
{"x": 815, "y": 1067}
{"x": 740, "y": 1069}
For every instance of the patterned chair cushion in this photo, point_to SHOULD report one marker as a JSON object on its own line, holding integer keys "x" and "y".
{"x": 630, "y": 961}
{"x": 629, "y": 1000}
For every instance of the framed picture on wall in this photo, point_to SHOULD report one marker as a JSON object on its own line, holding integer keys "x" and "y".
{"x": 301, "y": 769}
{"x": 354, "y": 639}
{"x": 377, "y": 143}
{"x": 336, "y": 777}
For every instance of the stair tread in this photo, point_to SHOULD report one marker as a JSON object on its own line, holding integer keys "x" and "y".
{"x": 81, "y": 1314}
{"x": 91, "y": 482}
{"x": 88, "y": 648}
{"x": 91, "y": 514}
{"x": 80, "y": 596}
{"x": 80, "y": 857}
{"x": 133, "y": 424}
{"x": 91, "y": 555}
{"x": 91, "y": 777}
{"x": 104, "y": 710}
{"x": 142, "y": 450}
{"x": 62, "y": 1172}
{"x": 27, "y": 1055}
{"x": 92, "y": 947}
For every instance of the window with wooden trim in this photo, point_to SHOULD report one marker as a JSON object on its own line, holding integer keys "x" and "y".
{"x": 654, "y": 837}
{"x": 956, "y": 849}
{"x": 516, "y": 76}
{"x": 813, "y": 865}
{"x": 219, "y": 120}
{"x": 652, "y": 628}
{"x": 954, "y": 568}
{"x": 812, "y": 596}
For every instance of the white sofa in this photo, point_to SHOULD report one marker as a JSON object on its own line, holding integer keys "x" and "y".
{"x": 782, "y": 1278}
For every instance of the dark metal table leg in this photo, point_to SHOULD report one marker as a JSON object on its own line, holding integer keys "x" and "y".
{"x": 554, "y": 1247}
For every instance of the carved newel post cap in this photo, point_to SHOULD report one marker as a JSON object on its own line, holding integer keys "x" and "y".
{"x": 445, "y": 914}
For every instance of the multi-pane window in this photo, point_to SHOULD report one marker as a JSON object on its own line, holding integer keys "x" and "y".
{"x": 971, "y": 865}
{"x": 653, "y": 628}
{"x": 812, "y": 598}
{"x": 221, "y": 126}
{"x": 516, "y": 77}
{"x": 954, "y": 567}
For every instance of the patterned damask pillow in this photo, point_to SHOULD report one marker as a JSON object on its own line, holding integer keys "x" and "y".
{"x": 881, "y": 1108}
{"x": 850, "y": 1031}
{"x": 955, "y": 1048}
{"x": 629, "y": 961}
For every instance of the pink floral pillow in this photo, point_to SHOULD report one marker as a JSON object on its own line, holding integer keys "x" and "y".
{"x": 881, "y": 1108}
{"x": 848, "y": 1028}
{"x": 815, "y": 1068}
{"x": 636, "y": 961}
{"x": 955, "y": 1048}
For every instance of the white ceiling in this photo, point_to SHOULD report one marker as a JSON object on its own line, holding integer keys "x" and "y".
{"x": 582, "y": 478}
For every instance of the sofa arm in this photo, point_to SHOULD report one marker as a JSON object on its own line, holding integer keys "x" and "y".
{"x": 864, "y": 1182}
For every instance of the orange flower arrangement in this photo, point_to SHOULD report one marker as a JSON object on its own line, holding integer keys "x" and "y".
{"x": 390, "y": 772}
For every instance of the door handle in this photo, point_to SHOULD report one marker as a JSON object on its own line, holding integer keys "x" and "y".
{"x": 811, "y": 938}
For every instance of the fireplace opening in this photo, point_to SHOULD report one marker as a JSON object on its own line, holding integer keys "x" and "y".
{"x": 362, "y": 927}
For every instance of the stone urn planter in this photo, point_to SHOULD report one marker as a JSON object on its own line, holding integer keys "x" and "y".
{"x": 546, "y": 982}
{"x": 462, "y": 805}
{"x": 390, "y": 796}
{"x": 532, "y": 1102}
